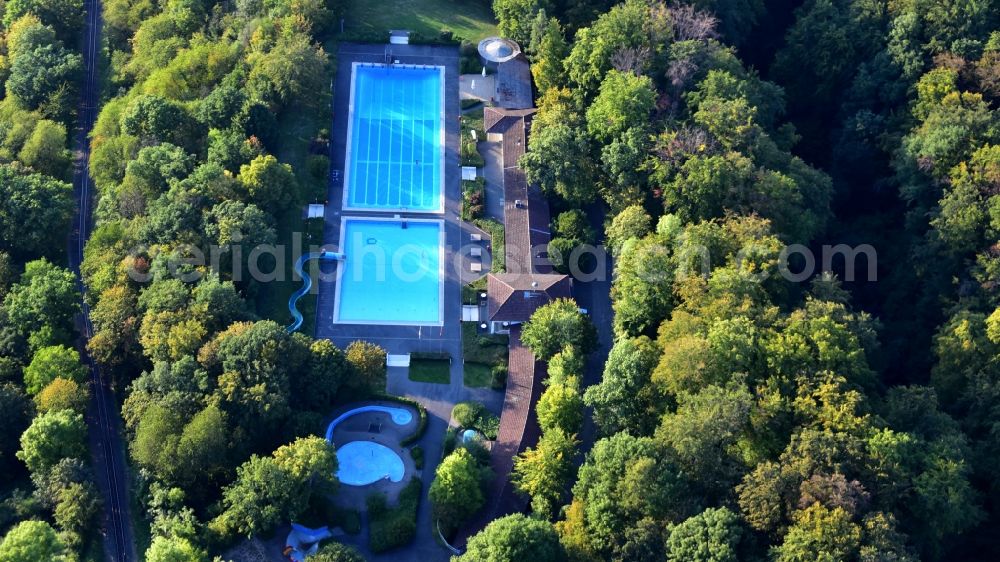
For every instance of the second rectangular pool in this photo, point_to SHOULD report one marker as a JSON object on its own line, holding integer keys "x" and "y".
{"x": 393, "y": 272}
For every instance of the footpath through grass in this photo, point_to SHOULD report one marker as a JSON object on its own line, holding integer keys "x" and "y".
{"x": 469, "y": 19}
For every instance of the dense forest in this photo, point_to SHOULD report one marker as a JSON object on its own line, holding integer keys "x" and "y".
{"x": 48, "y": 497}
{"x": 740, "y": 416}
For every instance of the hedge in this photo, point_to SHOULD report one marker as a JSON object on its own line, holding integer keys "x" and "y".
{"x": 431, "y": 355}
{"x": 393, "y": 527}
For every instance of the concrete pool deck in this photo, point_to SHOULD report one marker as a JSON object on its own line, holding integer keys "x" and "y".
{"x": 396, "y": 338}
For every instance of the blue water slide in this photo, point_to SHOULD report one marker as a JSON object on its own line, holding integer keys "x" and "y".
{"x": 306, "y": 283}
{"x": 303, "y": 542}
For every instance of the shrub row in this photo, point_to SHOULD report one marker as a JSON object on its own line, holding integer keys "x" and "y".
{"x": 393, "y": 527}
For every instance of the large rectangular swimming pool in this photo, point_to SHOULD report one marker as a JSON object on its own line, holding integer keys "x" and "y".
{"x": 395, "y": 138}
{"x": 392, "y": 273}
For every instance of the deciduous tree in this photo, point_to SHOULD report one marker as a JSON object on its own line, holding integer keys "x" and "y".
{"x": 52, "y": 437}
{"x": 514, "y": 538}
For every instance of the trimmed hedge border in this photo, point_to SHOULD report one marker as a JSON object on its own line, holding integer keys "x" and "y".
{"x": 445, "y": 38}
{"x": 431, "y": 355}
{"x": 421, "y": 425}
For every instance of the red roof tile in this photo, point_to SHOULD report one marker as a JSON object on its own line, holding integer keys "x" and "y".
{"x": 513, "y": 297}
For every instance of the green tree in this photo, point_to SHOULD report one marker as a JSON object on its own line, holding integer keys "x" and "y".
{"x": 154, "y": 446}
{"x": 561, "y": 407}
{"x": 290, "y": 72}
{"x": 268, "y": 183}
{"x": 625, "y": 26}
{"x": 642, "y": 290}
{"x": 252, "y": 363}
{"x": 51, "y": 437}
{"x": 217, "y": 304}
{"x": 556, "y": 325}
{"x": 514, "y": 538}
{"x": 203, "y": 446}
{"x": 62, "y": 15}
{"x": 316, "y": 386}
{"x": 236, "y": 223}
{"x": 368, "y": 361}
{"x": 31, "y": 541}
{"x": 15, "y": 417}
{"x": 628, "y": 483}
{"x": 632, "y": 222}
{"x": 8, "y": 274}
{"x": 820, "y": 534}
{"x": 41, "y": 305}
{"x": 457, "y": 490}
{"x": 50, "y": 363}
{"x": 154, "y": 168}
{"x": 707, "y": 431}
{"x": 559, "y": 152}
{"x": 115, "y": 340}
{"x": 625, "y": 101}
{"x": 172, "y": 549}
{"x": 337, "y": 552}
{"x": 624, "y": 400}
{"x": 515, "y": 17}
{"x": 45, "y": 78}
{"x": 21, "y": 198}
{"x": 711, "y": 536}
{"x": 231, "y": 149}
{"x": 154, "y": 118}
{"x": 544, "y": 472}
{"x": 549, "y": 49}
{"x": 271, "y": 490}
{"x": 45, "y": 150}
{"x": 76, "y": 510}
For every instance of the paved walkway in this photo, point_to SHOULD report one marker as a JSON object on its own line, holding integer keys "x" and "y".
{"x": 595, "y": 296}
{"x": 476, "y": 86}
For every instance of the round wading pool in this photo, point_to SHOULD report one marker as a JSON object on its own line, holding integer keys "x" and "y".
{"x": 364, "y": 462}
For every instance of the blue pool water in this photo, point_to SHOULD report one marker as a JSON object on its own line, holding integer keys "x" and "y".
{"x": 396, "y": 137}
{"x": 392, "y": 275}
{"x": 364, "y": 462}
{"x": 400, "y": 416}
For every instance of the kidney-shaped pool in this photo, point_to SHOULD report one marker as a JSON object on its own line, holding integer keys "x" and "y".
{"x": 360, "y": 463}
{"x": 364, "y": 462}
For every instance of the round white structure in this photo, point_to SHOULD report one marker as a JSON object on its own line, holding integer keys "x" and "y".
{"x": 495, "y": 50}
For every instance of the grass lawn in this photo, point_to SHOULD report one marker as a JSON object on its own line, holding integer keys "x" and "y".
{"x": 272, "y": 298}
{"x": 489, "y": 349}
{"x": 482, "y": 352}
{"x": 477, "y": 375}
{"x": 430, "y": 370}
{"x": 468, "y": 19}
